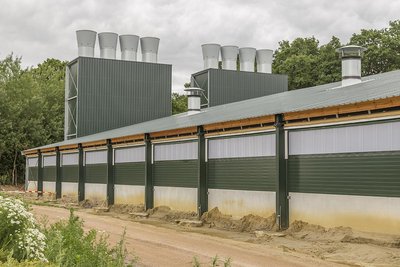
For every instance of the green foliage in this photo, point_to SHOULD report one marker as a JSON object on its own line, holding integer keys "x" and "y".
{"x": 69, "y": 245}
{"x": 309, "y": 64}
{"x": 179, "y": 103}
{"x": 215, "y": 261}
{"x": 31, "y": 110}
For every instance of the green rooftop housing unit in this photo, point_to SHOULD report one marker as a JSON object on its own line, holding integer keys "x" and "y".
{"x": 104, "y": 94}
{"x": 226, "y": 86}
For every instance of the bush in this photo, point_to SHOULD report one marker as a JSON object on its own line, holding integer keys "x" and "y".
{"x": 69, "y": 245}
{"x": 19, "y": 234}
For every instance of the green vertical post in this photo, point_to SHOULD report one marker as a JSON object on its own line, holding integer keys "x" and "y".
{"x": 40, "y": 174}
{"x": 58, "y": 173}
{"x": 81, "y": 171}
{"x": 202, "y": 187}
{"x": 149, "y": 186}
{"x": 282, "y": 202}
{"x": 110, "y": 174}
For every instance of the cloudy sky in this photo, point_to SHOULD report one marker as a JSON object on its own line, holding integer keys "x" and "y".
{"x": 42, "y": 29}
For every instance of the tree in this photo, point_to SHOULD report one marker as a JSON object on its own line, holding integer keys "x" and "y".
{"x": 179, "y": 103}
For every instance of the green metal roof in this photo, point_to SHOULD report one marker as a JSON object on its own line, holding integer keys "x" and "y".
{"x": 372, "y": 87}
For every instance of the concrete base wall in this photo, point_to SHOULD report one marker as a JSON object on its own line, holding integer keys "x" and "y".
{"x": 239, "y": 203}
{"x": 49, "y": 187}
{"x": 95, "y": 192}
{"x": 365, "y": 213}
{"x": 129, "y": 194}
{"x": 177, "y": 198}
{"x": 69, "y": 189}
{"x": 32, "y": 186}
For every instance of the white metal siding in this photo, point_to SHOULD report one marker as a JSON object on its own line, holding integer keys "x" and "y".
{"x": 175, "y": 151}
{"x": 131, "y": 154}
{"x": 361, "y": 138}
{"x": 96, "y": 157}
{"x": 49, "y": 161}
{"x": 242, "y": 147}
{"x": 33, "y": 162}
{"x": 70, "y": 159}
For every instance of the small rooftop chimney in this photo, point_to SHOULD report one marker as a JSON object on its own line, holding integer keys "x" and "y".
{"x": 129, "y": 45}
{"x": 149, "y": 46}
{"x": 86, "y": 42}
{"x": 108, "y": 44}
{"x": 247, "y": 57}
{"x": 194, "y": 99}
{"x": 229, "y": 57}
{"x": 264, "y": 60}
{"x": 210, "y": 55}
{"x": 351, "y": 63}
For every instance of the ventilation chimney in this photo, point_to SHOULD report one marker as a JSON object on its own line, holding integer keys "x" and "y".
{"x": 129, "y": 45}
{"x": 351, "y": 63}
{"x": 264, "y": 60}
{"x": 149, "y": 46}
{"x": 108, "y": 44}
{"x": 210, "y": 55}
{"x": 247, "y": 56}
{"x": 86, "y": 42}
{"x": 194, "y": 99}
{"x": 229, "y": 57}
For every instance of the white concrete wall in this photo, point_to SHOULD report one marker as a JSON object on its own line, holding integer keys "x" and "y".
{"x": 239, "y": 203}
{"x": 95, "y": 192}
{"x": 129, "y": 194}
{"x": 177, "y": 198}
{"x": 32, "y": 186}
{"x": 366, "y": 213}
{"x": 69, "y": 189}
{"x": 49, "y": 187}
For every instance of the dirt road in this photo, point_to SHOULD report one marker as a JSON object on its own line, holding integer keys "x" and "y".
{"x": 159, "y": 246}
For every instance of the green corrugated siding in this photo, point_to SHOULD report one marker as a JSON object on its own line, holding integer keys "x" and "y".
{"x": 49, "y": 173}
{"x": 176, "y": 173}
{"x": 111, "y": 94}
{"x": 70, "y": 173}
{"x": 96, "y": 173}
{"x": 255, "y": 173}
{"x": 129, "y": 173}
{"x": 369, "y": 174}
{"x": 33, "y": 173}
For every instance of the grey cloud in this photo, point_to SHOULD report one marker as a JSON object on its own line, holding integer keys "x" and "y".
{"x": 37, "y": 30}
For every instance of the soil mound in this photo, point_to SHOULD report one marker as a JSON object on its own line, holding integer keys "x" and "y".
{"x": 250, "y": 223}
{"x": 167, "y": 214}
{"x": 126, "y": 208}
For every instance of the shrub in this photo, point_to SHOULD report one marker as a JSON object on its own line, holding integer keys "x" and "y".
{"x": 19, "y": 234}
{"x": 69, "y": 245}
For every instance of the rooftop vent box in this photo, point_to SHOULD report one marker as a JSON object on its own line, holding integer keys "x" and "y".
{"x": 226, "y": 86}
{"x": 103, "y": 94}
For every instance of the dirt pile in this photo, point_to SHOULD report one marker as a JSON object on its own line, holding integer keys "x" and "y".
{"x": 88, "y": 204}
{"x": 126, "y": 208}
{"x": 307, "y": 231}
{"x": 167, "y": 214}
{"x": 248, "y": 223}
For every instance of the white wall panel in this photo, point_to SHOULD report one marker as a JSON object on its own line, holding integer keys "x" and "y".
{"x": 361, "y": 138}
{"x": 175, "y": 151}
{"x": 242, "y": 147}
{"x": 33, "y": 162}
{"x": 177, "y": 198}
{"x": 130, "y": 154}
{"x": 96, "y": 157}
{"x": 49, "y": 161}
{"x": 69, "y": 159}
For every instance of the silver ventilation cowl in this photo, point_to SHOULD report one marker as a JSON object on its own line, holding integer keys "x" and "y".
{"x": 210, "y": 55}
{"x": 194, "y": 99}
{"x": 149, "y": 47}
{"x": 86, "y": 42}
{"x": 108, "y": 44}
{"x": 247, "y": 56}
{"x": 129, "y": 45}
{"x": 351, "y": 63}
{"x": 264, "y": 60}
{"x": 229, "y": 55}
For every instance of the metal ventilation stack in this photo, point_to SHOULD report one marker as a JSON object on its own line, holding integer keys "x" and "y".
{"x": 149, "y": 46}
{"x": 210, "y": 55}
{"x": 351, "y": 63}
{"x": 129, "y": 45}
{"x": 264, "y": 60}
{"x": 108, "y": 45}
{"x": 247, "y": 56}
{"x": 229, "y": 55}
{"x": 86, "y": 42}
